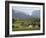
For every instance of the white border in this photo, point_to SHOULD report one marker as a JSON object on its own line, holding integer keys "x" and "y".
{"x": 25, "y": 32}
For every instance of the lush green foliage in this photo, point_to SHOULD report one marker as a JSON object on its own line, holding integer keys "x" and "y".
{"x": 19, "y": 24}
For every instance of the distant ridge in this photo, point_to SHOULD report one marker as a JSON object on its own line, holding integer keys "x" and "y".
{"x": 36, "y": 13}
{"x": 20, "y": 14}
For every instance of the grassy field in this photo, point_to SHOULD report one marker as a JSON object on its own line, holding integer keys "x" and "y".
{"x": 25, "y": 24}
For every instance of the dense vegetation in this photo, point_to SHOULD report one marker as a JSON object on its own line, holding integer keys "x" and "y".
{"x": 19, "y": 24}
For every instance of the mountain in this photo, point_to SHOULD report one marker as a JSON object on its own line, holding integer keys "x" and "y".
{"x": 36, "y": 13}
{"x": 20, "y": 14}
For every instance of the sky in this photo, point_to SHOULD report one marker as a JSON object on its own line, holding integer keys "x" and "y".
{"x": 26, "y": 10}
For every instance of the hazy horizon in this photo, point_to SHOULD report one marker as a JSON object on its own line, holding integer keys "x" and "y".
{"x": 25, "y": 10}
